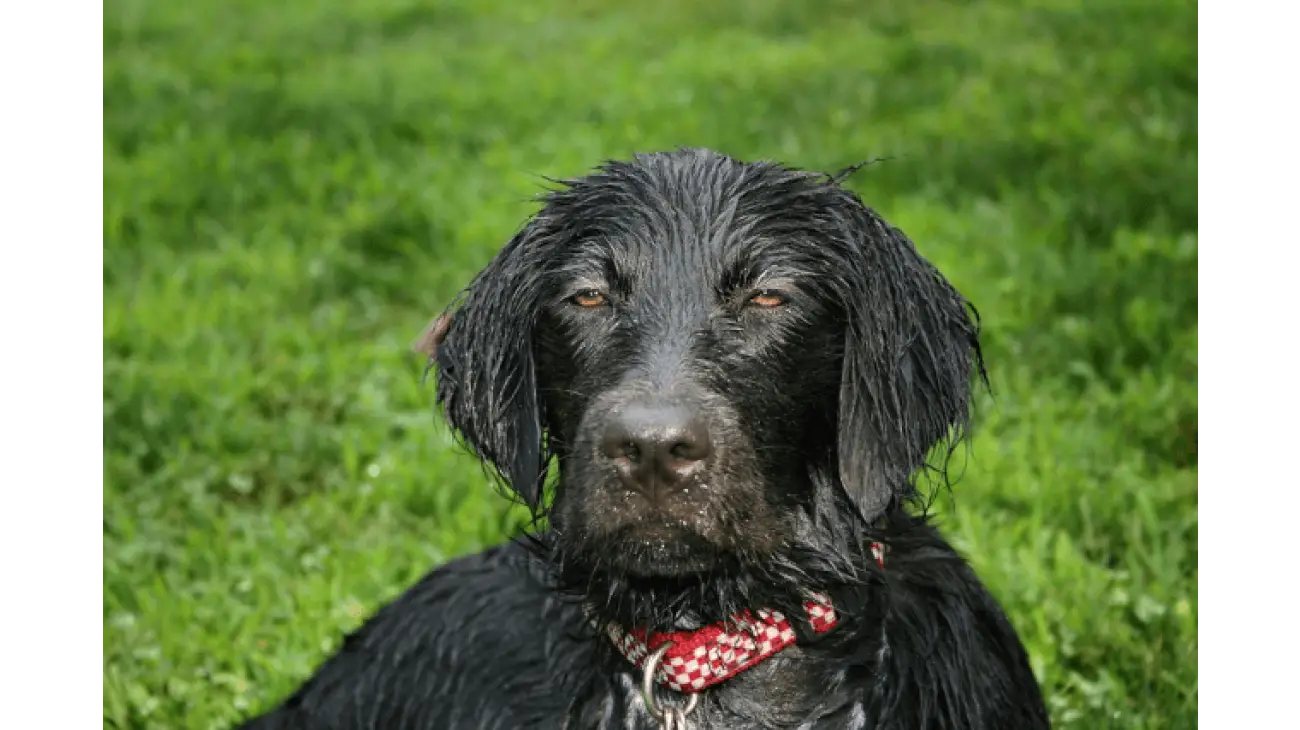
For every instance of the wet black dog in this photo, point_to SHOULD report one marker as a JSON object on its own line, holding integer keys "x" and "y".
{"x": 740, "y": 370}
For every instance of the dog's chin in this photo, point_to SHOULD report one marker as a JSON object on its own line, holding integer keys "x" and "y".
{"x": 658, "y": 550}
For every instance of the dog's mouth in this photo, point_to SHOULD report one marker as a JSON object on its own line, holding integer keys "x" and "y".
{"x": 660, "y": 548}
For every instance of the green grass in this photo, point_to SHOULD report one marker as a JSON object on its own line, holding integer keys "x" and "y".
{"x": 292, "y": 189}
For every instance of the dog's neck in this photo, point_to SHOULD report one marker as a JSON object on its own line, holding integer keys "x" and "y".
{"x": 845, "y": 569}
{"x": 816, "y": 559}
{"x": 791, "y": 689}
{"x": 689, "y": 603}
{"x": 742, "y": 693}
{"x": 685, "y": 603}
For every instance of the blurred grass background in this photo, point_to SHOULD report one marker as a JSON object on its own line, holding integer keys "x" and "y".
{"x": 292, "y": 189}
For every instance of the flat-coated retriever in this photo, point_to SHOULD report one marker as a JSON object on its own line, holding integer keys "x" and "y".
{"x": 741, "y": 371}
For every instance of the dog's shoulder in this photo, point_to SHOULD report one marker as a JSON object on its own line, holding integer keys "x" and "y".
{"x": 948, "y": 655}
{"x": 480, "y": 641}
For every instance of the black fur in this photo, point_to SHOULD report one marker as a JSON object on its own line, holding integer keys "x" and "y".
{"x": 822, "y": 359}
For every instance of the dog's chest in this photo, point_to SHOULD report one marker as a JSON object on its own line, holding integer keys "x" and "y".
{"x": 780, "y": 693}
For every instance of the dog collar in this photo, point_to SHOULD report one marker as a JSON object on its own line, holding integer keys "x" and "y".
{"x": 696, "y": 660}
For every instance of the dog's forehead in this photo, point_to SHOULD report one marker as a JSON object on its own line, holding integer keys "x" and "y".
{"x": 691, "y": 259}
{"x": 691, "y": 225}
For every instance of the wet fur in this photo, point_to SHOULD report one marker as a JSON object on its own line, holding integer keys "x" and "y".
{"x": 826, "y": 414}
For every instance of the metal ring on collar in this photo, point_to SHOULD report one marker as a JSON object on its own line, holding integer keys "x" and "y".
{"x": 669, "y": 717}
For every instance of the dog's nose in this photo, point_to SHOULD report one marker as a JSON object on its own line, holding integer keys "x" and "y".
{"x": 656, "y": 449}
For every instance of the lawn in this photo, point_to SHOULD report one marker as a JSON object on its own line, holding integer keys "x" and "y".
{"x": 292, "y": 189}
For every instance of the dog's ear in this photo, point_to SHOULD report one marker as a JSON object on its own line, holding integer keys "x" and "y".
{"x": 911, "y": 348}
{"x": 483, "y": 351}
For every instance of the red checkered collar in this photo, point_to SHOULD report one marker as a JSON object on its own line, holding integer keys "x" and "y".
{"x": 696, "y": 660}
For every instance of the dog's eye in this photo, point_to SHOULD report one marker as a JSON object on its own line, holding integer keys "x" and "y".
{"x": 588, "y": 298}
{"x": 768, "y": 299}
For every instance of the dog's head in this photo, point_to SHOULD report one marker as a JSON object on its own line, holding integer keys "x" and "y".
{"x": 714, "y": 352}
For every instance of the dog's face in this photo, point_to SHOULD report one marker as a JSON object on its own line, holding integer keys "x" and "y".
{"x": 704, "y": 345}
{"x": 687, "y": 372}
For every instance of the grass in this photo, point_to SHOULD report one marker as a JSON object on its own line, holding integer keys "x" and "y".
{"x": 292, "y": 189}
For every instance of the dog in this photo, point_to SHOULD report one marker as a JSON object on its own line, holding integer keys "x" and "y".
{"x": 743, "y": 375}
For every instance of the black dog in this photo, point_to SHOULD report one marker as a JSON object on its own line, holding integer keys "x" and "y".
{"x": 741, "y": 371}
